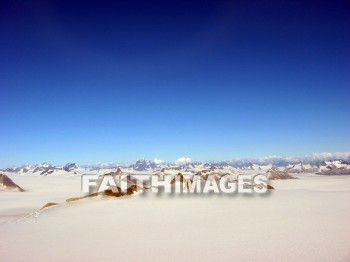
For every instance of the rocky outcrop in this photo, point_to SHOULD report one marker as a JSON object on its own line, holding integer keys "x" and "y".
{"x": 7, "y": 184}
{"x": 47, "y": 172}
{"x": 117, "y": 172}
{"x": 72, "y": 199}
{"x": 178, "y": 178}
{"x": 50, "y": 204}
{"x": 112, "y": 191}
{"x": 274, "y": 174}
{"x": 116, "y": 191}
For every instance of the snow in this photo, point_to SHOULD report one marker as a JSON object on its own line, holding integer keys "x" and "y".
{"x": 302, "y": 219}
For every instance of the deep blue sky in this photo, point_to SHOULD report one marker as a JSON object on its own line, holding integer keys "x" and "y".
{"x": 212, "y": 80}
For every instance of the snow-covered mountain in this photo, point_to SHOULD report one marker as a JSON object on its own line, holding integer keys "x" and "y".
{"x": 283, "y": 161}
{"x": 44, "y": 169}
{"x": 103, "y": 165}
{"x": 328, "y": 167}
{"x": 70, "y": 167}
{"x": 143, "y": 165}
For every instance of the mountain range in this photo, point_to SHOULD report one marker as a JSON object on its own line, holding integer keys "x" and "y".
{"x": 331, "y": 167}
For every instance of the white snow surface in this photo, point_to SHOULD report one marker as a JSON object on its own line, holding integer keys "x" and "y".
{"x": 305, "y": 219}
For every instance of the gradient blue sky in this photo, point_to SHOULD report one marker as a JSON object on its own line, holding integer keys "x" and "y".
{"x": 213, "y": 80}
